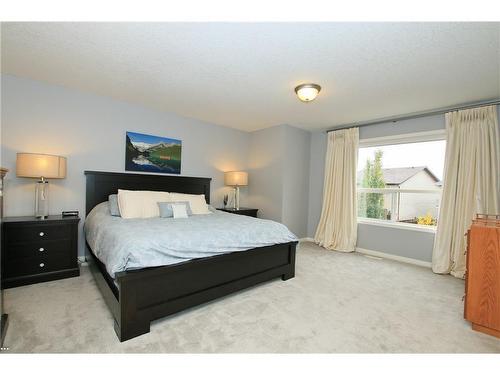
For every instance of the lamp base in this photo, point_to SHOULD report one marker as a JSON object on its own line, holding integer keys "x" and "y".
{"x": 42, "y": 199}
{"x": 236, "y": 205}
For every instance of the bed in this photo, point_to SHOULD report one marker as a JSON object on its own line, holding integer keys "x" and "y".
{"x": 138, "y": 292}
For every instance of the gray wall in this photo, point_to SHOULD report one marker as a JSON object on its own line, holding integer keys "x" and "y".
{"x": 265, "y": 173}
{"x": 405, "y": 243}
{"x": 296, "y": 179}
{"x": 279, "y": 171}
{"x": 422, "y": 124}
{"x": 316, "y": 174}
{"x": 401, "y": 242}
{"x": 285, "y": 164}
{"x": 90, "y": 131}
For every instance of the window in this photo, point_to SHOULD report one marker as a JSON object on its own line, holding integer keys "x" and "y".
{"x": 399, "y": 180}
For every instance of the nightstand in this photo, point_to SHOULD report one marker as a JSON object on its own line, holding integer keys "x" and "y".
{"x": 242, "y": 211}
{"x": 36, "y": 250}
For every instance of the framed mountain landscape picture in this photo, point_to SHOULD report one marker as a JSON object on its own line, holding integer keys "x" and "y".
{"x": 150, "y": 153}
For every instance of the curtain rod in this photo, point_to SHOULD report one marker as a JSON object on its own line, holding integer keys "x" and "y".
{"x": 438, "y": 111}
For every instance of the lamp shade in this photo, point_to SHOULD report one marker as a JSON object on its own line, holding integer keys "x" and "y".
{"x": 40, "y": 165}
{"x": 236, "y": 178}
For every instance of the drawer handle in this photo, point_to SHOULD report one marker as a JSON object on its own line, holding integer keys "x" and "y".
{"x": 41, "y": 234}
{"x": 42, "y": 265}
{"x": 41, "y": 249}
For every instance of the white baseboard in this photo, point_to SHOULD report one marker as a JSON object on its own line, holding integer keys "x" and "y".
{"x": 306, "y": 239}
{"x": 398, "y": 258}
{"x": 380, "y": 254}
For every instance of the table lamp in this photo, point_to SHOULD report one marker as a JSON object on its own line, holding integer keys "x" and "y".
{"x": 41, "y": 166}
{"x": 236, "y": 179}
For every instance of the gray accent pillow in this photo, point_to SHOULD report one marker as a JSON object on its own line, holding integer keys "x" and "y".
{"x": 113, "y": 205}
{"x": 166, "y": 208}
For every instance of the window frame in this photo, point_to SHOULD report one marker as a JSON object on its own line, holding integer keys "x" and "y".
{"x": 415, "y": 137}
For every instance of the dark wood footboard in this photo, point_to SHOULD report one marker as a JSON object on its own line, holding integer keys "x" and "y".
{"x": 148, "y": 294}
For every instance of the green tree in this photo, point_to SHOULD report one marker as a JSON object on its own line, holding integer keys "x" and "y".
{"x": 372, "y": 204}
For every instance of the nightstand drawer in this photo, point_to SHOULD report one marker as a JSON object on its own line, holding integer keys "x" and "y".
{"x": 37, "y": 233}
{"x": 38, "y": 264}
{"x": 37, "y": 248}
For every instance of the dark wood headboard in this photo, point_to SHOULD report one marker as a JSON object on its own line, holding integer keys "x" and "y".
{"x": 101, "y": 184}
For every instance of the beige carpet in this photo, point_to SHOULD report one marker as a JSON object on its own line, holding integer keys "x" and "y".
{"x": 336, "y": 303}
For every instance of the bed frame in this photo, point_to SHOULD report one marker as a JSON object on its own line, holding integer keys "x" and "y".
{"x": 151, "y": 293}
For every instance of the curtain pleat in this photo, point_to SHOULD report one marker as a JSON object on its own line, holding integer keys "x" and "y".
{"x": 337, "y": 228}
{"x": 471, "y": 183}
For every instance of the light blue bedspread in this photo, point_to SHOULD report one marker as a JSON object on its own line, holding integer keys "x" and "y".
{"x": 123, "y": 244}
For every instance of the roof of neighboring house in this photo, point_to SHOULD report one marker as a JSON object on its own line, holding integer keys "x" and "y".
{"x": 396, "y": 176}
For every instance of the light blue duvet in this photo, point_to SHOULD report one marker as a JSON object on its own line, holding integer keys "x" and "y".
{"x": 123, "y": 244}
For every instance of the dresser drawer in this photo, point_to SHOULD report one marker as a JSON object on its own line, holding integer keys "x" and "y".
{"x": 38, "y": 264}
{"x": 36, "y": 233}
{"x": 37, "y": 248}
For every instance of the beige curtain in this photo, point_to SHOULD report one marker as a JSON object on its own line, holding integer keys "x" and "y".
{"x": 337, "y": 228}
{"x": 470, "y": 183}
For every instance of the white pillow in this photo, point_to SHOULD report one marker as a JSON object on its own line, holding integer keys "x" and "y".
{"x": 196, "y": 201}
{"x": 179, "y": 211}
{"x": 138, "y": 204}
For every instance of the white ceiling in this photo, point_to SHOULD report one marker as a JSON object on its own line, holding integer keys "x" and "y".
{"x": 242, "y": 75}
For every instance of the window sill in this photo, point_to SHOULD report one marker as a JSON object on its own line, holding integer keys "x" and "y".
{"x": 392, "y": 224}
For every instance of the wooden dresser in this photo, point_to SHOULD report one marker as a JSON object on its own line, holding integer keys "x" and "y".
{"x": 482, "y": 286}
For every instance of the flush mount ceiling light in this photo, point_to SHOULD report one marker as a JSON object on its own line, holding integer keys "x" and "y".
{"x": 307, "y": 91}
